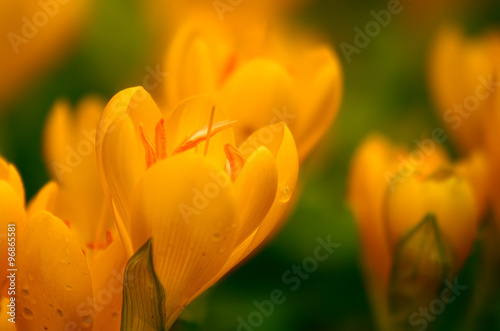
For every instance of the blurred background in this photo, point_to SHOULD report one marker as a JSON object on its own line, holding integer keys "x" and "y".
{"x": 110, "y": 47}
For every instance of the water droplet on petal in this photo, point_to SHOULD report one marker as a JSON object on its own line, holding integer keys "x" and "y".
{"x": 68, "y": 287}
{"x": 286, "y": 194}
{"x": 217, "y": 236}
{"x": 28, "y": 314}
{"x": 25, "y": 292}
{"x": 60, "y": 313}
{"x": 86, "y": 321}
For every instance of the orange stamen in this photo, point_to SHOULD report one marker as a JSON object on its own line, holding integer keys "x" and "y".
{"x": 148, "y": 147}
{"x": 209, "y": 132}
{"x": 161, "y": 140}
{"x": 201, "y": 135}
{"x": 235, "y": 161}
{"x": 101, "y": 245}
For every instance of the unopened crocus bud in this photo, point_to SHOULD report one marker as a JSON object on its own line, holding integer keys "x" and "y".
{"x": 446, "y": 196}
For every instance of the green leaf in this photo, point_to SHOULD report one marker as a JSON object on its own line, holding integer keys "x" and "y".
{"x": 421, "y": 263}
{"x": 143, "y": 294}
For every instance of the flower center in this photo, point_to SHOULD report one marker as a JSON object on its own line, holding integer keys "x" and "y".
{"x": 159, "y": 151}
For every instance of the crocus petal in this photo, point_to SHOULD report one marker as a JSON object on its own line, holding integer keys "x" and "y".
{"x": 367, "y": 189}
{"x": 287, "y": 164}
{"x": 255, "y": 189}
{"x": 189, "y": 117}
{"x": 253, "y": 92}
{"x": 120, "y": 164}
{"x": 279, "y": 140}
{"x": 9, "y": 174}
{"x": 188, "y": 206}
{"x": 12, "y": 211}
{"x": 198, "y": 76}
{"x": 459, "y": 68}
{"x": 55, "y": 290}
{"x": 282, "y": 147}
{"x": 45, "y": 199}
{"x": 69, "y": 146}
{"x": 475, "y": 170}
{"x": 195, "y": 39}
{"x": 319, "y": 83}
{"x": 107, "y": 284}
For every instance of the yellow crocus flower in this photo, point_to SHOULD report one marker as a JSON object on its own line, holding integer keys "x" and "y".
{"x": 391, "y": 194}
{"x": 463, "y": 78}
{"x": 35, "y": 34}
{"x": 183, "y": 181}
{"x": 69, "y": 153}
{"x": 270, "y": 77}
{"x": 74, "y": 208}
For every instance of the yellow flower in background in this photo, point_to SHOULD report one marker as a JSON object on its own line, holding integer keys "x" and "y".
{"x": 393, "y": 191}
{"x": 81, "y": 213}
{"x": 463, "y": 79}
{"x": 263, "y": 80}
{"x": 69, "y": 152}
{"x": 206, "y": 201}
{"x": 36, "y": 33}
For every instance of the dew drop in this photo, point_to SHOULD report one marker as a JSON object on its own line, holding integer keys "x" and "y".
{"x": 60, "y": 313}
{"x": 51, "y": 306}
{"x": 86, "y": 321}
{"x": 25, "y": 292}
{"x": 286, "y": 194}
{"x": 222, "y": 250}
{"x": 28, "y": 314}
{"x": 68, "y": 287}
{"x": 217, "y": 236}
{"x": 114, "y": 314}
